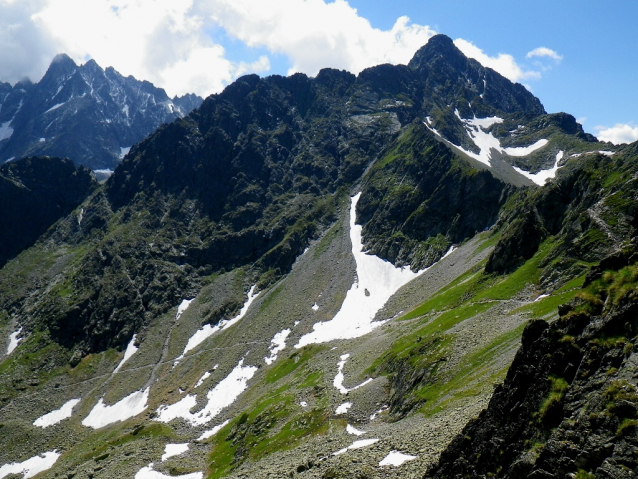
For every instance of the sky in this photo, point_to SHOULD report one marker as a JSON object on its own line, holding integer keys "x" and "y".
{"x": 578, "y": 57}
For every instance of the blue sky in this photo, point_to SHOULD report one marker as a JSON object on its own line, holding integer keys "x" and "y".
{"x": 597, "y": 79}
{"x": 587, "y": 67}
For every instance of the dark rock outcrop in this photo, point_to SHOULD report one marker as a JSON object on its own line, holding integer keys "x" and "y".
{"x": 34, "y": 194}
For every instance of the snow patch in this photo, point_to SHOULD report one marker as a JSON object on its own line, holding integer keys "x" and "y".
{"x": 32, "y": 466}
{"x": 303, "y": 404}
{"x": 213, "y": 431}
{"x": 171, "y": 450}
{"x": 202, "y": 379}
{"x": 131, "y": 349}
{"x": 5, "y": 130}
{"x": 485, "y": 141}
{"x": 54, "y": 417}
{"x": 102, "y": 415}
{"x": 14, "y": 340}
{"x": 542, "y": 176}
{"x": 396, "y": 458}
{"x": 380, "y": 411}
{"x": 356, "y": 445}
{"x": 183, "y": 306}
{"x": 207, "y": 330}
{"x": 42, "y": 140}
{"x": 219, "y": 398}
{"x": 354, "y": 431}
{"x": 315, "y": 307}
{"x": 338, "y": 380}
{"x": 377, "y": 280}
{"x": 542, "y": 296}
{"x": 277, "y": 344}
{"x": 343, "y": 409}
{"x": 148, "y": 473}
{"x": 525, "y": 150}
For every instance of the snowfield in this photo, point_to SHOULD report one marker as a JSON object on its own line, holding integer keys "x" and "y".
{"x": 219, "y": 398}
{"x": 54, "y": 417}
{"x": 485, "y": 141}
{"x": 377, "y": 280}
{"x": 102, "y": 415}
{"x": 277, "y": 344}
{"x": 131, "y": 349}
{"x": 396, "y": 458}
{"x": 14, "y": 340}
{"x": 542, "y": 176}
{"x": 207, "y": 330}
{"x": 32, "y": 466}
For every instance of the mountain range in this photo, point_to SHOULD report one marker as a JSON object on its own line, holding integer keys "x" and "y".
{"x": 411, "y": 272}
{"x": 90, "y": 115}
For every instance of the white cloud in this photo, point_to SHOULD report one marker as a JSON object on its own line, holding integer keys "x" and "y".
{"x": 503, "y": 63}
{"x": 544, "y": 52}
{"x": 315, "y": 34}
{"x": 617, "y": 134}
{"x": 171, "y": 42}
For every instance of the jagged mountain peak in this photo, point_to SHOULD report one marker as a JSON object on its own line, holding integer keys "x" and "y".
{"x": 61, "y": 66}
{"x": 439, "y": 46}
{"x": 85, "y": 113}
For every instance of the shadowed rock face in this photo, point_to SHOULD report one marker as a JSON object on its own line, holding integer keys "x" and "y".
{"x": 34, "y": 194}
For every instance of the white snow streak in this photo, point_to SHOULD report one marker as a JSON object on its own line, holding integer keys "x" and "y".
{"x": 277, "y": 344}
{"x": 376, "y": 281}
{"x": 380, "y": 411}
{"x": 202, "y": 379}
{"x": 58, "y": 415}
{"x": 338, "y": 380}
{"x": 131, "y": 349}
{"x": 14, "y": 340}
{"x": 220, "y": 397}
{"x": 485, "y": 141}
{"x": 54, "y": 107}
{"x": 525, "y": 150}
{"x": 207, "y": 330}
{"x": 354, "y": 431}
{"x": 315, "y": 307}
{"x": 148, "y": 473}
{"x": 32, "y": 466}
{"x": 130, "y": 406}
{"x": 343, "y": 409}
{"x": 542, "y": 296}
{"x": 356, "y": 445}
{"x": 171, "y": 450}
{"x": 542, "y": 176}
{"x": 213, "y": 431}
{"x": 396, "y": 458}
{"x": 183, "y": 306}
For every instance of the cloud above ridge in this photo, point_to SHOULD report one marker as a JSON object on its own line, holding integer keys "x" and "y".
{"x": 181, "y": 45}
{"x": 618, "y": 134}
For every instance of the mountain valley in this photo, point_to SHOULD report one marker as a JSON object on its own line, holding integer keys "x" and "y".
{"x": 412, "y": 272}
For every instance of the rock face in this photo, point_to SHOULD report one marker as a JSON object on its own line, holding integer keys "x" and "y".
{"x": 34, "y": 194}
{"x": 568, "y": 406}
{"x": 85, "y": 113}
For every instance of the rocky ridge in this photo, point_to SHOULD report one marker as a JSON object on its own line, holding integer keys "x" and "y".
{"x": 90, "y": 115}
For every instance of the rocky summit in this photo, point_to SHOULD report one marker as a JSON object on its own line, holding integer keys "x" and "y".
{"x": 90, "y": 115}
{"x": 411, "y": 272}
